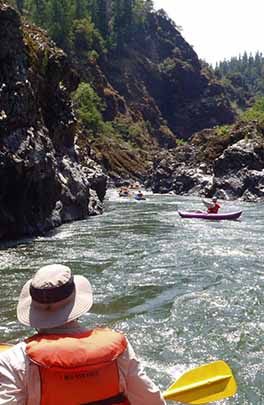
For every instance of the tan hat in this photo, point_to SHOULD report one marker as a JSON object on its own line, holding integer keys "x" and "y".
{"x": 54, "y": 297}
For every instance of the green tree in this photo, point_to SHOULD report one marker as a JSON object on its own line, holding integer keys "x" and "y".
{"x": 122, "y": 23}
{"x": 20, "y": 5}
{"x": 59, "y": 21}
{"x": 92, "y": 7}
{"x": 37, "y": 11}
{"x": 79, "y": 9}
{"x": 243, "y": 77}
{"x": 88, "y": 106}
{"x": 256, "y": 112}
{"x": 82, "y": 35}
{"x": 102, "y": 18}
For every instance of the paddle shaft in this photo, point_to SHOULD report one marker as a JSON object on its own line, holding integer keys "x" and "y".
{"x": 4, "y": 346}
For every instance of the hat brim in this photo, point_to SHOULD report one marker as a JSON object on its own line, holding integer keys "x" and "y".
{"x": 41, "y": 316}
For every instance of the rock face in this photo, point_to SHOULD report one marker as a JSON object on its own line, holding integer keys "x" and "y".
{"x": 163, "y": 82}
{"x": 44, "y": 181}
{"x": 155, "y": 91}
{"x": 230, "y": 165}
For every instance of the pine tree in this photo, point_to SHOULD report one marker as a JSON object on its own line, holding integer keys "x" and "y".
{"x": 37, "y": 11}
{"x": 59, "y": 19}
{"x": 101, "y": 21}
{"x": 79, "y": 9}
{"x": 117, "y": 24}
{"x": 20, "y": 5}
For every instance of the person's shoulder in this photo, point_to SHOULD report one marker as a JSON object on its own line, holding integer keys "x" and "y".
{"x": 13, "y": 355}
{"x": 129, "y": 352}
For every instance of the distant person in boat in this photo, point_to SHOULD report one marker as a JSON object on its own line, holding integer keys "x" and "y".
{"x": 65, "y": 363}
{"x": 212, "y": 207}
{"x": 140, "y": 194}
{"x": 134, "y": 185}
{"x": 124, "y": 192}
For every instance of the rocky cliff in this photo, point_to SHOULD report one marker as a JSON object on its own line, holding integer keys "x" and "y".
{"x": 155, "y": 91}
{"x": 227, "y": 162}
{"x": 163, "y": 81}
{"x": 44, "y": 179}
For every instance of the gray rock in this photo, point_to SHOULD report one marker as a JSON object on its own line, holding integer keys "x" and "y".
{"x": 43, "y": 181}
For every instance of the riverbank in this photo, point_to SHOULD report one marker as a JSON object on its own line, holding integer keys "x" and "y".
{"x": 228, "y": 164}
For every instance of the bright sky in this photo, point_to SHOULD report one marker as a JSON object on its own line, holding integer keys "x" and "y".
{"x": 218, "y": 29}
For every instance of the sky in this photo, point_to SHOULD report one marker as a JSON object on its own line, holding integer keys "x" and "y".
{"x": 218, "y": 29}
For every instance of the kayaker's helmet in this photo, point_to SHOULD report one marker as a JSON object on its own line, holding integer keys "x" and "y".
{"x": 214, "y": 199}
{"x": 54, "y": 297}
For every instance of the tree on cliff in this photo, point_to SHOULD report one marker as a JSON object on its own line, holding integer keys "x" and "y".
{"x": 101, "y": 17}
{"x": 114, "y": 19}
{"x": 122, "y": 23}
{"x": 243, "y": 77}
{"x": 88, "y": 107}
{"x": 38, "y": 11}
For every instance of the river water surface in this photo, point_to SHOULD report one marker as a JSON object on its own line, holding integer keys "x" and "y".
{"x": 185, "y": 292}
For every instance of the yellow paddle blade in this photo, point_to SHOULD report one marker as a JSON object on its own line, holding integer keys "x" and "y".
{"x": 4, "y": 346}
{"x": 203, "y": 384}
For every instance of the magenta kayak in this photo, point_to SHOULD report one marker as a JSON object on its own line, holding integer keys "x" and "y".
{"x": 205, "y": 215}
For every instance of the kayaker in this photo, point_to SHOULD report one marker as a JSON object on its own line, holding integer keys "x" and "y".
{"x": 213, "y": 209}
{"x": 65, "y": 363}
{"x": 212, "y": 206}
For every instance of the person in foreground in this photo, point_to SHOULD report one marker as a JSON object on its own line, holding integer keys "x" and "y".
{"x": 65, "y": 363}
{"x": 212, "y": 207}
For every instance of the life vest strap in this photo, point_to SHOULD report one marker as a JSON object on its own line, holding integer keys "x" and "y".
{"x": 117, "y": 399}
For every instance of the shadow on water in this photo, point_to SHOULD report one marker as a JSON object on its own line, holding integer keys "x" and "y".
{"x": 9, "y": 244}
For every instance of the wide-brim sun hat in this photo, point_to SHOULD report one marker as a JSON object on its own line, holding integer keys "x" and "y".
{"x": 54, "y": 297}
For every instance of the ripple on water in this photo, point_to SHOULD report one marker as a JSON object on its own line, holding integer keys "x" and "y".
{"x": 185, "y": 292}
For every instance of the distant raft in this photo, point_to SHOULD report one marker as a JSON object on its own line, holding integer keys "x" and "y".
{"x": 205, "y": 215}
{"x": 124, "y": 192}
{"x": 139, "y": 197}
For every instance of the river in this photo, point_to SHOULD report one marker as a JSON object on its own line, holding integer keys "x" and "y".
{"x": 185, "y": 291}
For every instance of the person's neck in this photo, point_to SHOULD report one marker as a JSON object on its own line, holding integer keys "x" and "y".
{"x": 71, "y": 327}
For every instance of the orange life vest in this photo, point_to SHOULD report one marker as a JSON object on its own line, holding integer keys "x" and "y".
{"x": 79, "y": 369}
{"x": 214, "y": 209}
